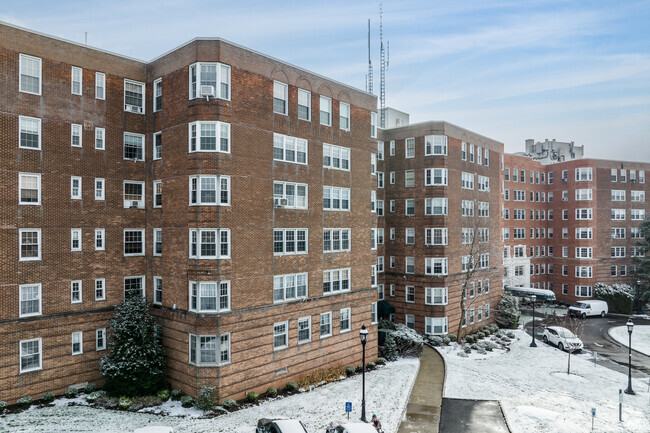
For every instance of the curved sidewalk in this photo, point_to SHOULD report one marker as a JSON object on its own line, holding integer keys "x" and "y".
{"x": 423, "y": 409}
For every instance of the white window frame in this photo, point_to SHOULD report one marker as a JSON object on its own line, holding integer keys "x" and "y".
{"x": 157, "y": 185}
{"x": 23, "y": 355}
{"x": 101, "y": 291}
{"x": 22, "y": 57}
{"x": 21, "y": 182}
{"x": 100, "y": 339}
{"x": 344, "y": 108}
{"x": 143, "y": 283}
{"x": 222, "y": 302}
{"x": 328, "y": 322}
{"x": 409, "y": 265}
{"x": 22, "y": 289}
{"x": 345, "y": 314}
{"x": 281, "y": 93}
{"x": 220, "y": 348}
{"x": 157, "y": 290}
{"x": 301, "y": 322}
{"x": 409, "y": 143}
{"x": 407, "y": 207}
{"x": 223, "y": 74}
{"x": 157, "y": 146}
{"x": 75, "y": 235}
{"x": 296, "y": 232}
{"x": 196, "y": 181}
{"x": 222, "y": 130}
{"x": 283, "y": 282}
{"x": 77, "y": 338}
{"x": 100, "y": 189}
{"x": 300, "y": 146}
{"x": 21, "y": 121}
{"x": 76, "y": 291}
{"x": 344, "y": 281}
{"x": 196, "y": 233}
{"x": 326, "y": 103}
{"x": 409, "y": 294}
{"x": 142, "y": 242}
{"x": 430, "y": 263}
{"x": 128, "y": 203}
{"x": 100, "y": 138}
{"x": 584, "y": 172}
{"x": 142, "y": 146}
{"x": 20, "y": 245}
{"x": 76, "y": 131}
{"x": 431, "y": 293}
{"x": 157, "y": 233}
{"x": 435, "y": 177}
{"x": 340, "y": 232}
{"x": 76, "y": 77}
{"x": 435, "y": 145}
{"x": 157, "y": 85}
{"x": 100, "y": 83}
{"x": 373, "y": 124}
{"x": 78, "y": 194}
{"x": 127, "y": 107}
{"x": 306, "y": 94}
{"x": 431, "y": 323}
{"x": 331, "y": 193}
{"x": 430, "y": 234}
{"x": 409, "y": 319}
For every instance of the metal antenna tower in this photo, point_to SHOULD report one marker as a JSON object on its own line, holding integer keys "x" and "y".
{"x": 369, "y": 76}
{"x": 382, "y": 73}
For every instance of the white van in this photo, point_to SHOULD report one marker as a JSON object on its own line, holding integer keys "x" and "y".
{"x": 589, "y": 307}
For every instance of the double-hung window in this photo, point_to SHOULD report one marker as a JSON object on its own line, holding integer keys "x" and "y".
{"x": 77, "y": 343}
{"x": 30, "y": 355}
{"x": 409, "y": 178}
{"x": 345, "y": 321}
{"x": 157, "y": 290}
{"x": 304, "y": 104}
{"x": 336, "y": 157}
{"x": 75, "y": 135}
{"x": 209, "y": 350}
{"x": 75, "y": 239}
{"x": 29, "y": 185}
{"x": 584, "y": 213}
{"x": 326, "y": 324}
{"x": 637, "y": 214}
{"x": 157, "y": 145}
{"x": 280, "y": 98}
{"x": 304, "y": 329}
{"x": 30, "y": 300}
{"x": 30, "y": 74}
{"x": 76, "y": 289}
{"x": 409, "y": 148}
{"x": 206, "y": 244}
{"x": 133, "y": 146}
{"x": 280, "y": 335}
{"x": 30, "y": 133}
{"x": 133, "y": 194}
{"x": 209, "y": 296}
{"x": 30, "y": 244}
{"x": 100, "y": 339}
{"x": 290, "y": 195}
{"x": 373, "y": 124}
{"x": 100, "y": 138}
{"x": 134, "y": 92}
{"x": 133, "y": 242}
{"x": 435, "y": 206}
{"x": 157, "y": 242}
{"x": 157, "y": 95}
{"x": 436, "y": 295}
{"x": 435, "y": 265}
{"x": 435, "y": 176}
{"x": 336, "y": 199}
{"x": 289, "y": 287}
{"x": 209, "y": 80}
{"x": 410, "y": 294}
{"x": 336, "y": 280}
{"x": 208, "y": 190}
{"x": 467, "y": 180}
{"x": 435, "y": 145}
{"x": 435, "y": 325}
{"x": 618, "y": 195}
{"x": 75, "y": 188}
{"x": 209, "y": 137}
{"x": 583, "y": 174}
{"x": 409, "y": 206}
{"x": 134, "y": 286}
{"x": 325, "y": 111}
{"x": 289, "y": 149}
{"x": 76, "y": 75}
{"x": 100, "y": 85}
{"x": 336, "y": 240}
{"x": 100, "y": 289}
{"x": 467, "y": 208}
{"x": 157, "y": 193}
{"x": 435, "y": 236}
{"x": 484, "y": 183}
{"x": 344, "y": 116}
{"x": 289, "y": 241}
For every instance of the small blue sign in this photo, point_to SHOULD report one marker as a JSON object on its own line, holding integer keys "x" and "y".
{"x": 348, "y": 406}
{"x": 593, "y": 411}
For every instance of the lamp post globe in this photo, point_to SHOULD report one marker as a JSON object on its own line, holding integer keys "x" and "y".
{"x": 630, "y": 328}
{"x": 363, "y": 335}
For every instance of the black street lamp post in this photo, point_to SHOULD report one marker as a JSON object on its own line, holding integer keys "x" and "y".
{"x": 638, "y": 301}
{"x": 533, "y": 344}
{"x": 630, "y": 328}
{"x": 363, "y": 334}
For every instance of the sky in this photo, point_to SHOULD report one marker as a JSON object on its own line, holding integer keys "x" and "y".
{"x": 572, "y": 70}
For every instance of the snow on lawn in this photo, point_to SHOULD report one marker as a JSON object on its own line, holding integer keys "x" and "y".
{"x": 640, "y": 337}
{"x": 538, "y": 396}
{"x": 387, "y": 391}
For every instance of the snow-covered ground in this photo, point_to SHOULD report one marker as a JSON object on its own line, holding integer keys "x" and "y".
{"x": 538, "y": 396}
{"x": 387, "y": 391}
{"x": 640, "y": 337}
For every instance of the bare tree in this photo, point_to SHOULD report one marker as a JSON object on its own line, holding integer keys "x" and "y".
{"x": 576, "y": 326}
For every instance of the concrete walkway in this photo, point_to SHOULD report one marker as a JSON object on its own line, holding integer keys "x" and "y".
{"x": 423, "y": 410}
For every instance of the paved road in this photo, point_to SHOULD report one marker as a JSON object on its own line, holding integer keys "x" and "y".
{"x": 596, "y": 339}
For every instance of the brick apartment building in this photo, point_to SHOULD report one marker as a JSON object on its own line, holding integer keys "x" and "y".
{"x": 570, "y": 224}
{"x": 230, "y": 189}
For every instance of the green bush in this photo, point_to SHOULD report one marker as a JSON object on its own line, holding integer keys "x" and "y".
{"x": 176, "y": 394}
{"x": 480, "y": 335}
{"x": 350, "y": 371}
{"x": 292, "y": 386}
{"x": 93, "y": 396}
{"x": 91, "y": 387}
{"x": 25, "y": 401}
{"x": 252, "y": 397}
{"x": 124, "y": 402}
{"x": 271, "y": 392}
{"x": 467, "y": 349}
{"x": 359, "y": 368}
{"x": 48, "y": 397}
{"x": 206, "y": 399}
{"x": 380, "y": 361}
{"x": 71, "y": 392}
{"x": 370, "y": 365}
{"x": 163, "y": 394}
{"x": 469, "y": 339}
{"x": 3, "y": 406}
{"x": 619, "y": 297}
{"x": 452, "y": 337}
{"x": 187, "y": 401}
{"x": 229, "y": 404}
{"x": 446, "y": 340}
{"x": 390, "y": 348}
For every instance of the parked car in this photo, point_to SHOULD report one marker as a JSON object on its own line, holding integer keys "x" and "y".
{"x": 350, "y": 427}
{"x": 562, "y": 338}
{"x": 280, "y": 425}
{"x": 589, "y": 307}
{"x": 154, "y": 429}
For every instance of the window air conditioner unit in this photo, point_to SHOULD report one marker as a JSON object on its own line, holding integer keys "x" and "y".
{"x": 207, "y": 91}
{"x": 280, "y": 202}
{"x": 565, "y": 180}
{"x": 565, "y": 199}
{"x": 132, "y": 108}
{"x": 135, "y": 204}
